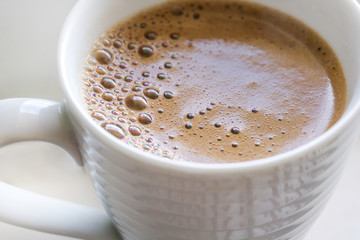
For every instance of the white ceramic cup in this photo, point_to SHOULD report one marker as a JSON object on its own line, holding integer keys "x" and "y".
{"x": 151, "y": 198}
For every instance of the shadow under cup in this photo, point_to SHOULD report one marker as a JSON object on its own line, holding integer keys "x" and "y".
{"x": 156, "y": 199}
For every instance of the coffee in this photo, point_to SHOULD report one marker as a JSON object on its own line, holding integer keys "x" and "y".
{"x": 213, "y": 81}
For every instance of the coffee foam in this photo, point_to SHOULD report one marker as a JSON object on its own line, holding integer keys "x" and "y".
{"x": 213, "y": 82}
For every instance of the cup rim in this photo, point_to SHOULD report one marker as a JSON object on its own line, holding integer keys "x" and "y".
{"x": 117, "y": 145}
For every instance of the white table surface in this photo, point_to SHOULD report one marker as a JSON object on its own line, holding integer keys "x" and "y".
{"x": 28, "y": 41}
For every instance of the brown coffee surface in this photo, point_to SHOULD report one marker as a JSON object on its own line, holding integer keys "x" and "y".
{"x": 210, "y": 81}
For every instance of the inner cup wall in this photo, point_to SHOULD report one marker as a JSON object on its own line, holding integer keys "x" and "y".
{"x": 336, "y": 22}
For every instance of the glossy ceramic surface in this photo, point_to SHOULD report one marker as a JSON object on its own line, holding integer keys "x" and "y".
{"x": 165, "y": 197}
{"x": 276, "y": 198}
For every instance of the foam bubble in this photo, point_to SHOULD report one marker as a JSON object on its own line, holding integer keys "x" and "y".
{"x": 144, "y": 118}
{"x": 108, "y": 82}
{"x": 114, "y": 129}
{"x": 103, "y": 56}
{"x": 136, "y": 102}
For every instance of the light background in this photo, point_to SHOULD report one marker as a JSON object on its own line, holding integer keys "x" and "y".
{"x": 29, "y": 32}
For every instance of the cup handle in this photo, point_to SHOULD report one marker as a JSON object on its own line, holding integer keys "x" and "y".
{"x": 44, "y": 120}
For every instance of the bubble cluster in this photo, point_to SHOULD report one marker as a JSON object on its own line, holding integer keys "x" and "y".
{"x": 150, "y": 82}
{"x": 118, "y": 90}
